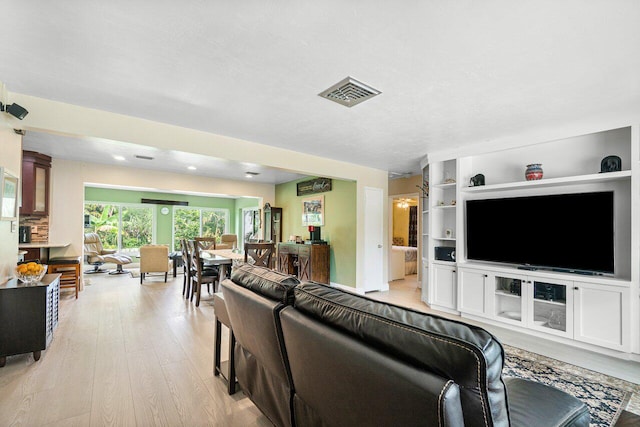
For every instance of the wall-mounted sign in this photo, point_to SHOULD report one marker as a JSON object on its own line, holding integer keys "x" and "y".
{"x": 317, "y": 185}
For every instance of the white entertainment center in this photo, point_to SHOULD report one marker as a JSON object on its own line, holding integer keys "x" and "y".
{"x": 597, "y": 312}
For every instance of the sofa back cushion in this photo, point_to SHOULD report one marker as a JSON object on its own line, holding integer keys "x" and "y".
{"x": 263, "y": 281}
{"x": 342, "y": 381}
{"x": 467, "y": 355}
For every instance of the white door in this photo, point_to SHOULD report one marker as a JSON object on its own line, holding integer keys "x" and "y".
{"x": 373, "y": 240}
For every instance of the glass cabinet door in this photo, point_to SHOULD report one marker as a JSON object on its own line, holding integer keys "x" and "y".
{"x": 551, "y": 307}
{"x": 508, "y": 303}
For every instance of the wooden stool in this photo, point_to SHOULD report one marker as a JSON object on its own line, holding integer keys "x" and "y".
{"x": 69, "y": 268}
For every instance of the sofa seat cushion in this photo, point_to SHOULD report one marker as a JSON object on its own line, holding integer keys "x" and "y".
{"x": 468, "y": 355}
{"x": 271, "y": 284}
{"x": 532, "y": 404}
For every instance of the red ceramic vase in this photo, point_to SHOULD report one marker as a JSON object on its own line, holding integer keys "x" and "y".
{"x": 533, "y": 172}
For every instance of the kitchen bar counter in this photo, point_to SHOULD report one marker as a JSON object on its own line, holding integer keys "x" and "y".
{"x": 40, "y": 250}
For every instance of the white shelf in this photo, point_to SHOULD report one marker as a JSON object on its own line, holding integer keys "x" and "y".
{"x": 425, "y": 212}
{"x": 444, "y": 206}
{"x": 544, "y": 301}
{"x": 450, "y": 239}
{"x": 447, "y": 185}
{"x": 570, "y": 180}
{"x": 425, "y": 234}
{"x": 507, "y": 294}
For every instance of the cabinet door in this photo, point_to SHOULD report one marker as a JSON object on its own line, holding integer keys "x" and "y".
{"x": 507, "y": 299}
{"x": 40, "y": 190}
{"x": 444, "y": 286}
{"x": 602, "y": 315}
{"x": 472, "y": 291}
{"x": 550, "y": 306}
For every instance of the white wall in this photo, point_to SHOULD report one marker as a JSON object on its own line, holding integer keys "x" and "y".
{"x": 11, "y": 160}
{"x": 56, "y": 117}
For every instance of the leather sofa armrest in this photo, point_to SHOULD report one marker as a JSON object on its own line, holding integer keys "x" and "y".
{"x": 108, "y": 251}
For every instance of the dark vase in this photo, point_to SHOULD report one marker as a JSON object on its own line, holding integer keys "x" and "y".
{"x": 534, "y": 171}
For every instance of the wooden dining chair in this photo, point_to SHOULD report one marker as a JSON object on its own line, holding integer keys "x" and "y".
{"x": 200, "y": 275}
{"x": 206, "y": 243}
{"x": 260, "y": 253}
{"x": 186, "y": 265}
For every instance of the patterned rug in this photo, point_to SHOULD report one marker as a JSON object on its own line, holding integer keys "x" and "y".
{"x": 605, "y": 396}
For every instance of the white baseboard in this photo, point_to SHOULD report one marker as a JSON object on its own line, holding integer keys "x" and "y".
{"x": 347, "y": 288}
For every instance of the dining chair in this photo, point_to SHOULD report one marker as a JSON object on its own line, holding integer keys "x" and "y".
{"x": 260, "y": 253}
{"x": 206, "y": 243}
{"x": 186, "y": 265}
{"x": 200, "y": 275}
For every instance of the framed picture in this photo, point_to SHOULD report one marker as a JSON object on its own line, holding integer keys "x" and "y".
{"x": 313, "y": 211}
{"x": 8, "y": 196}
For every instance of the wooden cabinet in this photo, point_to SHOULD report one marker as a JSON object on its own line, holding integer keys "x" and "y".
{"x": 307, "y": 262}
{"x": 35, "y": 183}
{"x": 28, "y": 316}
{"x": 272, "y": 224}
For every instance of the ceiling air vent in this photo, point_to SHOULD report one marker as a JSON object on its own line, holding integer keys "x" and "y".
{"x": 139, "y": 156}
{"x": 349, "y": 92}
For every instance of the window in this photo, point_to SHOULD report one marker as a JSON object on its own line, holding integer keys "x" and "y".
{"x": 124, "y": 227}
{"x": 189, "y": 223}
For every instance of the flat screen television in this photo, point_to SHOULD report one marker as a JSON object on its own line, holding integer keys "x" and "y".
{"x": 567, "y": 232}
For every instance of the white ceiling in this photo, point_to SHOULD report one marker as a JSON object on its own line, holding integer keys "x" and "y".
{"x": 451, "y": 73}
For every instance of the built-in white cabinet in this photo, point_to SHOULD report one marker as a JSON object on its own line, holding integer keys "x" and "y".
{"x": 599, "y": 310}
{"x": 444, "y": 286}
{"x": 473, "y": 286}
{"x": 594, "y": 313}
{"x": 602, "y": 315}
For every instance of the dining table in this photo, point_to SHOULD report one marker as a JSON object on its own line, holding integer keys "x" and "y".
{"x": 222, "y": 258}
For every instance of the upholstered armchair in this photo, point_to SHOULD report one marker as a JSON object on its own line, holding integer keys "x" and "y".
{"x": 154, "y": 259}
{"x": 97, "y": 255}
{"x": 227, "y": 241}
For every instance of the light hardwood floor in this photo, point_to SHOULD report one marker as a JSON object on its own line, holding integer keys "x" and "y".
{"x": 125, "y": 354}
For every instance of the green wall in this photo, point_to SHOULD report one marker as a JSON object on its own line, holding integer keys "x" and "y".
{"x": 339, "y": 228}
{"x": 164, "y": 223}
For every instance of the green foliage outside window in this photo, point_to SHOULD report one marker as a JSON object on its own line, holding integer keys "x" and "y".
{"x": 187, "y": 225}
{"x": 104, "y": 221}
{"x": 137, "y": 225}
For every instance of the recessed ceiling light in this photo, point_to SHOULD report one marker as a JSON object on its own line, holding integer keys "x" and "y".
{"x": 250, "y": 174}
{"x": 119, "y": 157}
{"x": 192, "y": 168}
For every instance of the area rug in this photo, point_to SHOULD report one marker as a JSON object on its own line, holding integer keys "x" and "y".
{"x": 605, "y": 396}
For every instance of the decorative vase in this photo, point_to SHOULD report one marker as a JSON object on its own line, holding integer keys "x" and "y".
{"x": 534, "y": 171}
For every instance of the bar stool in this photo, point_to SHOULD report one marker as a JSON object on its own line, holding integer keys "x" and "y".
{"x": 222, "y": 318}
{"x": 69, "y": 268}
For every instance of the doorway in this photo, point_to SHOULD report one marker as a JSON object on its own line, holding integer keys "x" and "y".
{"x": 404, "y": 225}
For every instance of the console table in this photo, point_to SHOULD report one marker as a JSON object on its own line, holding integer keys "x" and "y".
{"x": 28, "y": 316}
{"x": 307, "y": 262}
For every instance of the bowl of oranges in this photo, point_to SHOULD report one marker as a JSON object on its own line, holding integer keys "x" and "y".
{"x": 31, "y": 272}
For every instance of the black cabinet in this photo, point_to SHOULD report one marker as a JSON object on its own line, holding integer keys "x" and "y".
{"x": 28, "y": 316}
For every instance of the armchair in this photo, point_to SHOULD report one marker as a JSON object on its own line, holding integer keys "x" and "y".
{"x": 154, "y": 258}
{"x": 227, "y": 241}
{"x": 97, "y": 255}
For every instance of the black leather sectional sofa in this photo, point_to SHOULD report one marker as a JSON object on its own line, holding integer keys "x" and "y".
{"x": 313, "y": 355}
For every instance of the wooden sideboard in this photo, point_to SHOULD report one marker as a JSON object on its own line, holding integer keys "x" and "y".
{"x": 307, "y": 262}
{"x": 28, "y": 316}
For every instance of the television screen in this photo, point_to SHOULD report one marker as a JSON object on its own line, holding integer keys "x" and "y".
{"x": 563, "y": 231}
